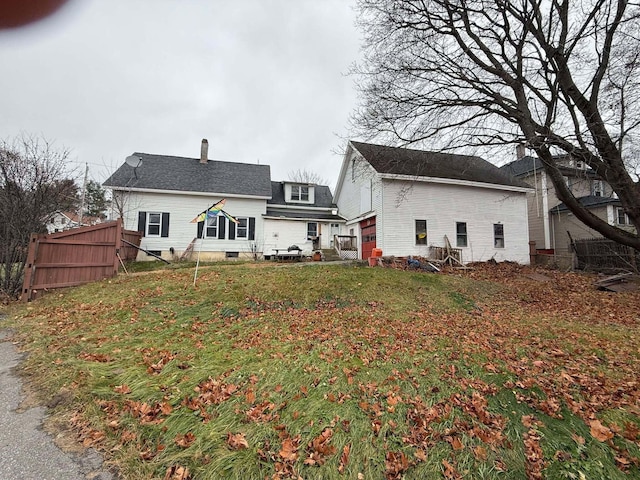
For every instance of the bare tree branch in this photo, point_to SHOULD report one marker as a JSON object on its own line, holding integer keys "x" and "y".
{"x": 561, "y": 75}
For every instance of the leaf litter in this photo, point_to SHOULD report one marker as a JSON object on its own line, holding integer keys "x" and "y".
{"x": 431, "y": 381}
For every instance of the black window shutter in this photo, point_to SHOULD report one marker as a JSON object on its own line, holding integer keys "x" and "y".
{"x": 222, "y": 221}
{"x": 142, "y": 222}
{"x": 200, "y": 229}
{"x": 232, "y": 231}
{"x": 165, "y": 225}
{"x": 252, "y": 228}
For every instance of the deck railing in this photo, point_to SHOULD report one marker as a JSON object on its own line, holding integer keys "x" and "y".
{"x": 346, "y": 246}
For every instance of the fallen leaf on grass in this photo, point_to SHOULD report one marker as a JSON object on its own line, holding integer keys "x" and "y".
{"x": 124, "y": 389}
{"x": 577, "y": 438}
{"x": 320, "y": 448}
{"x": 176, "y": 472}
{"x": 186, "y": 440}
{"x": 456, "y": 443}
{"x": 396, "y": 463}
{"x": 450, "y": 472}
{"x": 237, "y": 441}
{"x": 289, "y": 451}
{"x": 344, "y": 458}
{"x": 480, "y": 452}
{"x": 599, "y": 431}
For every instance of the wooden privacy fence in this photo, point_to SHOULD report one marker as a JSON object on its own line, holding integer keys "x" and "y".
{"x": 603, "y": 254}
{"x": 77, "y": 256}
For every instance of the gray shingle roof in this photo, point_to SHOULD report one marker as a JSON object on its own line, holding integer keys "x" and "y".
{"x": 526, "y": 165}
{"x": 322, "y": 198}
{"x": 308, "y": 215}
{"x": 589, "y": 201}
{"x": 181, "y": 174}
{"x": 522, "y": 166}
{"x": 420, "y": 163}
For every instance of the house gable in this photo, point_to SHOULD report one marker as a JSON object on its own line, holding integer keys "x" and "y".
{"x": 414, "y": 199}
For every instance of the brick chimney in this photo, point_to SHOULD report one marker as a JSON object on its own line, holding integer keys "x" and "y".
{"x": 520, "y": 151}
{"x": 204, "y": 151}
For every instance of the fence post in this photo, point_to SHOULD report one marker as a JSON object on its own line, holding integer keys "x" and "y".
{"x": 117, "y": 241}
{"x": 533, "y": 253}
{"x": 29, "y": 268}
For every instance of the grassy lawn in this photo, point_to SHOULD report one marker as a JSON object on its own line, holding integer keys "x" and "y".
{"x": 343, "y": 372}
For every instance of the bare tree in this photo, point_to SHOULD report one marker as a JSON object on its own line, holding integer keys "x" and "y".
{"x": 560, "y": 76}
{"x": 306, "y": 176}
{"x": 33, "y": 186}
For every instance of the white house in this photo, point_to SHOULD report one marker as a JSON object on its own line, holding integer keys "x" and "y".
{"x": 160, "y": 195}
{"x": 405, "y": 201}
{"x": 61, "y": 221}
{"x": 300, "y": 214}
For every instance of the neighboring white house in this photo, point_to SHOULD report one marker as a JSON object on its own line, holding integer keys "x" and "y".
{"x": 61, "y": 221}
{"x": 159, "y": 195}
{"x": 405, "y": 201}
{"x": 300, "y": 214}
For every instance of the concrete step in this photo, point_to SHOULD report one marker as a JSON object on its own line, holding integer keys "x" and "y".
{"x": 330, "y": 255}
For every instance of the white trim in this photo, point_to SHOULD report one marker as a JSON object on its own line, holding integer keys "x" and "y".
{"x": 452, "y": 181}
{"x": 611, "y": 214}
{"x": 246, "y": 227}
{"x": 299, "y": 207}
{"x": 361, "y": 218}
{"x": 545, "y": 210}
{"x": 185, "y": 192}
{"x": 306, "y": 219}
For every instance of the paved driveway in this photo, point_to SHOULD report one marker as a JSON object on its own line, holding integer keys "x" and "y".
{"x": 27, "y": 452}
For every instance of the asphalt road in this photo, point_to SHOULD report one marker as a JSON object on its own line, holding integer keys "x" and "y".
{"x": 27, "y": 452}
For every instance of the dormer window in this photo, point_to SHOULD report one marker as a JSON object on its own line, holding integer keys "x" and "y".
{"x": 299, "y": 193}
{"x": 596, "y": 188}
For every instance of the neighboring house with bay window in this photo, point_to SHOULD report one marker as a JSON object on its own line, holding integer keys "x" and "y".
{"x": 406, "y": 201}
{"x": 159, "y": 195}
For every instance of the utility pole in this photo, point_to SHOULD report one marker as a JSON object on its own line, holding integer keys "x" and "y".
{"x": 84, "y": 190}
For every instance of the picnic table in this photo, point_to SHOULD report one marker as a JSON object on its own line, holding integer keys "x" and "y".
{"x": 292, "y": 253}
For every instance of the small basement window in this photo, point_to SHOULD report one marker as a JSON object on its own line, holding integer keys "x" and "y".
{"x": 154, "y": 252}
{"x": 232, "y": 254}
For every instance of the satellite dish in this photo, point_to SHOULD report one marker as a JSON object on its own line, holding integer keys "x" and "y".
{"x": 133, "y": 161}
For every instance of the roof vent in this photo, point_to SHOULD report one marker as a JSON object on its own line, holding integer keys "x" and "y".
{"x": 204, "y": 151}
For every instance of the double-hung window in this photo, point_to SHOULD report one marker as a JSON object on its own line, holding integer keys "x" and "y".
{"x": 153, "y": 224}
{"x": 212, "y": 227}
{"x": 596, "y": 188}
{"x": 461, "y": 234}
{"x": 498, "y": 235}
{"x": 312, "y": 230}
{"x": 622, "y": 217}
{"x": 300, "y": 193}
{"x": 421, "y": 232}
{"x": 154, "y": 221}
{"x": 242, "y": 227}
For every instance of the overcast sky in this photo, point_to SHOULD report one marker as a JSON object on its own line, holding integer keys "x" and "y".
{"x": 263, "y": 80}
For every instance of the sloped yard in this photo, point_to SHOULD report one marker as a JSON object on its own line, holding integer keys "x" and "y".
{"x": 325, "y": 372}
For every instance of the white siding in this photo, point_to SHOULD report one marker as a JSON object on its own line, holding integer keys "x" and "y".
{"x": 182, "y": 209}
{"x": 281, "y": 234}
{"x": 356, "y": 195}
{"x": 444, "y": 205}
